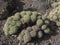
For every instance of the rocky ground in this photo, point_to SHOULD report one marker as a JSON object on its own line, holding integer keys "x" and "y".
{"x": 33, "y": 5}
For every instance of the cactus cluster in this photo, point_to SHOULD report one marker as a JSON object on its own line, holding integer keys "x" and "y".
{"x": 17, "y": 20}
{"x": 36, "y": 31}
{"x": 56, "y": 4}
{"x": 27, "y": 34}
{"x": 54, "y": 15}
{"x": 11, "y": 25}
{"x": 35, "y": 24}
{"x": 42, "y": 26}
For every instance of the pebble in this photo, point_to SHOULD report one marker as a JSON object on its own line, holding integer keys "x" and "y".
{"x": 57, "y": 42}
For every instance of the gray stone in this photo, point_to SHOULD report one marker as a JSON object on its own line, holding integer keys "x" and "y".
{"x": 57, "y": 42}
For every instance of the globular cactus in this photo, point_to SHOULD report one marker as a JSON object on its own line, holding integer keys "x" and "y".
{"x": 43, "y": 17}
{"x": 20, "y": 38}
{"x": 54, "y": 17}
{"x": 33, "y": 18}
{"x": 35, "y": 13}
{"x": 39, "y": 17}
{"x": 23, "y": 13}
{"x": 43, "y": 27}
{"x": 26, "y": 18}
{"x": 17, "y": 16}
{"x": 40, "y": 34}
{"x": 18, "y": 23}
{"x": 33, "y": 33}
{"x": 12, "y": 30}
{"x": 47, "y": 21}
{"x": 28, "y": 13}
{"x": 26, "y": 37}
{"x": 35, "y": 28}
{"x": 6, "y": 28}
{"x": 23, "y": 32}
{"x": 29, "y": 29}
{"x": 47, "y": 31}
{"x": 39, "y": 22}
{"x": 58, "y": 23}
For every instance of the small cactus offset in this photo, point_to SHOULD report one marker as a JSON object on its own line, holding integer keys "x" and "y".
{"x": 43, "y": 27}
{"x": 40, "y": 34}
{"x": 47, "y": 31}
{"x": 33, "y": 33}
{"x": 39, "y": 17}
{"x": 35, "y": 28}
{"x": 28, "y": 13}
{"x": 33, "y": 18}
{"x": 26, "y": 18}
{"x": 29, "y": 29}
{"x": 47, "y": 22}
{"x": 23, "y": 13}
{"x": 39, "y": 22}
{"x": 58, "y": 24}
